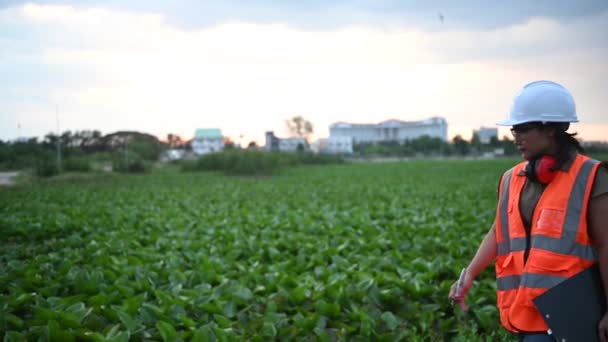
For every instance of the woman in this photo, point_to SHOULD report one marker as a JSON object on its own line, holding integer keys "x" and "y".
{"x": 552, "y": 213}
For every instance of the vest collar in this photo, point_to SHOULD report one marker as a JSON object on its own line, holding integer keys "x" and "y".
{"x": 564, "y": 167}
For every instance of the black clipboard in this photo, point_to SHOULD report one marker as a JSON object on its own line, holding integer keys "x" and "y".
{"x": 573, "y": 308}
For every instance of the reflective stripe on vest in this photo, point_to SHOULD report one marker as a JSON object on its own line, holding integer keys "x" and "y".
{"x": 528, "y": 280}
{"x": 503, "y": 247}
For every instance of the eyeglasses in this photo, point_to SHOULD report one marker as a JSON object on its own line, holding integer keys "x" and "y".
{"x": 523, "y": 128}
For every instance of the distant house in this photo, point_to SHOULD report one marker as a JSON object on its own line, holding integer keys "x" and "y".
{"x": 486, "y": 134}
{"x": 389, "y": 130}
{"x": 207, "y": 140}
{"x": 273, "y": 143}
{"x": 174, "y": 154}
{"x": 333, "y": 145}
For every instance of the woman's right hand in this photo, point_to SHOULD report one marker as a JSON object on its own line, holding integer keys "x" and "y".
{"x": 458, "y": 292}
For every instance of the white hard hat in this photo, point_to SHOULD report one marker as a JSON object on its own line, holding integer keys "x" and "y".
{"x": 543, "y": 101}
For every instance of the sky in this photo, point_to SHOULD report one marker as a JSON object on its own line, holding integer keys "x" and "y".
{"x": 246, "y": 66}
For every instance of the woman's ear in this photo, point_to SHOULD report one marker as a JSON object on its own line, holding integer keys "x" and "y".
{"x": 550, "y": 130}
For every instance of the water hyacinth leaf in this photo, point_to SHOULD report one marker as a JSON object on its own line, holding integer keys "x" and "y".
{"x": 222, "y": 321}
{"x": 328, "y": 309}
{"x": 20, "y": 300}
{"x": 126, "y": 320}
{"x": 79, "y": 310}
{"x": 121, "y": 336}
{"x": 229, "y": 309}
{"x": 153, "y": 311}
{"x": 12, "y": 321}
{"x": 391, "y": 321}
{"x": 298, "y": 295}
{"x": 56, "y": 333}
{"x": 43, "y": 315}
{"x": 269, "y": 330}
{"x": 69, "y": 320}
{"x": 243, "y": 293}
{"x": 132, "y": 304}
{"x": 14, "y": 336}
{"x": 322, "y": 334}
{"x": 211, "y": 308}
{"x": 188, "y": 322}
{"x": 204, "y": 334}
{"x": 166, "y": 331}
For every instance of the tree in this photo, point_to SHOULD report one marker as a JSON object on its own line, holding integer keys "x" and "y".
{"x": 476, "y": 144}
{"x": 91, "y": 141}
{"x": 174, "y": 141}
{"x": 299, "y": 127}
{"x": 228, "y": 144}
{"x": 475, "y": 140}
{"x": 460, "y": 145}
{"x": 142, "y": 144}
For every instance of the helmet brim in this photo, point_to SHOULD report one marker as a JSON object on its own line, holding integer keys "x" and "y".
{"x": 513, "y": 122}
{"x": 510, "y": 122}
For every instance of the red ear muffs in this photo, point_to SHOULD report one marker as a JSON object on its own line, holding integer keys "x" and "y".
{"x": 541, "y": 170}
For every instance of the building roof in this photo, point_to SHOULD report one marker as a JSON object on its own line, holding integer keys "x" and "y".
{"x": 208, "y": 133}
{"x": 435, "y": 120}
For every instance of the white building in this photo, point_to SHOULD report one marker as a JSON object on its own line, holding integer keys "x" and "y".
{"x": 390, "y": 130}
{"x": 174, "y": 154}
{"x": 273, "y": 143}
{"x": 333, "y": 145}
{"x": 486, "y": 134}
{"x": 207, "y": 140}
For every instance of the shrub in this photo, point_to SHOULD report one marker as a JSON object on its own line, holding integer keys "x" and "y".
{"x": 312, "y": 158}
{"x": 130, "y": 164}
{"x": 46, "y": 167}
{"x": 77, "y": 164}
{"x": 248, "y": 162}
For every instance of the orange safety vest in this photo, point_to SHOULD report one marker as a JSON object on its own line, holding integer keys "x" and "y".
{"x": 559, "y": 243}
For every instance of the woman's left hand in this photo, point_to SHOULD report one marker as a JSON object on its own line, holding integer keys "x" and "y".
{"x": 602, "y": 328}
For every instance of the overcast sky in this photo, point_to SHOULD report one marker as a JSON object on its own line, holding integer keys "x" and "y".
{"x": 246, "y": 66}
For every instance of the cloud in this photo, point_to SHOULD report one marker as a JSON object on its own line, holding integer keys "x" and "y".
{"x": 117, "y": 69}
{"x": 335, "y": 14}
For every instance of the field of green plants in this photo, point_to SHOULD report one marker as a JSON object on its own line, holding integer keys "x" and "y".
{"x": 350, "y": 252}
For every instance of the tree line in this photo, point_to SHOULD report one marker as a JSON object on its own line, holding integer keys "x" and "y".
{"x": 136, "y": 151}
{"x": 433, "y": 146}
{"x": 79, "y": 150}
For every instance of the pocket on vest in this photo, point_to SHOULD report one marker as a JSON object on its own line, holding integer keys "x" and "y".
{"x": 550, "y": 222}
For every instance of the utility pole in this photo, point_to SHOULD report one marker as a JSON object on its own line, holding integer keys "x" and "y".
{"x": 58, "y": 139}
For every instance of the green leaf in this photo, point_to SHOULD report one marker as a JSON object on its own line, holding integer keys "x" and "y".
{"x": 269, "y": 330}
{"x": 391, "y": 321}
{"x": 222, "y": 321}
{"x": 243, "y": 293}
{"x": 69, "y": 320}
{"x": 13, "y": 336}
{"x": 322, "y": 334}
{"x": 126, "y": 320}
{"x": 132, "y": 304}
{"x": 21, "y": 300}
{"x": 229, "y": 309}
{"x": 328, "y": 309}
{"x": 122, "y": 336}
{"x": 167, "y": 331}
{"x": 211, "y": 308}
{"x": 188, "y": 322}
{"x": 13, "y": 321}
{"x": 298, "y": 295}
{"x": 56, "y": 333}
{"x": 204, "y": 334}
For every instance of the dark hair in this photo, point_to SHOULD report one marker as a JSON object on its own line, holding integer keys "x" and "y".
{"x": 566, "y": 142}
